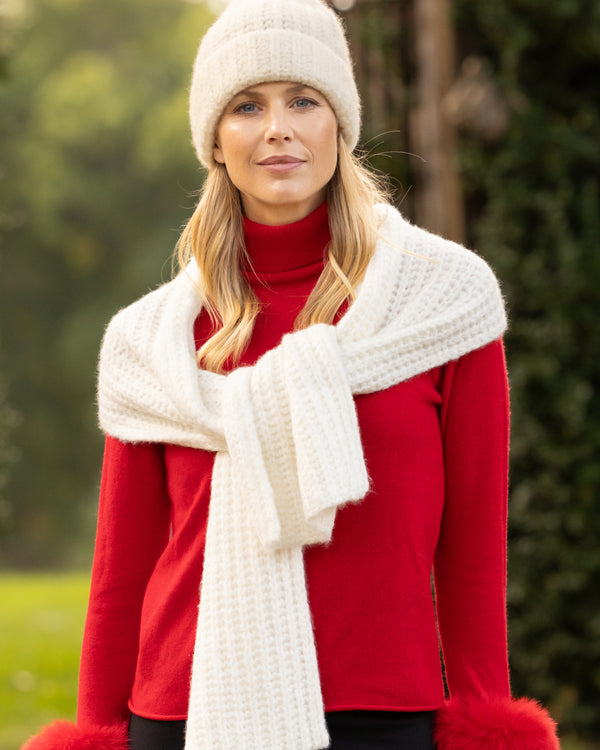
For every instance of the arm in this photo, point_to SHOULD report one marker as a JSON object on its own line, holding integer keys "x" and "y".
{"x": 470, "y": 560}
{"x": 470, "y": 566}
{"x": 133, "y": 529}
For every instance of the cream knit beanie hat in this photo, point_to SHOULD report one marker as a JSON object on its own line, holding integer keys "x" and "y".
{"x": 256, "y": 41}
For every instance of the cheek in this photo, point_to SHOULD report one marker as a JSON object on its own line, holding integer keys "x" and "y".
{"x": 328, "y": 149}
{"x": 235, "y": 146}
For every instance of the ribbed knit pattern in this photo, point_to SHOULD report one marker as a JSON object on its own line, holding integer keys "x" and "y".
{"x": 256, "y": 41}
{"x": 289, "y": 454}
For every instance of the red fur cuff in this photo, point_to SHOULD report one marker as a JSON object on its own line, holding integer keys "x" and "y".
{"x": 64, "y": 735}
{"x": 495, "y": 724}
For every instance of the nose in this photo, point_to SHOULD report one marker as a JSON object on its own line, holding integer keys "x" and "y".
{"x": 278, "y": 126}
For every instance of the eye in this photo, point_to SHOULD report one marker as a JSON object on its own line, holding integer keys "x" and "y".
{"x": 246, "y": 108}
{"x": 304, "y": 103}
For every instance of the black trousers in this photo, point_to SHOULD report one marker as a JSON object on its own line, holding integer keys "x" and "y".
{"x": 349, "y": 730}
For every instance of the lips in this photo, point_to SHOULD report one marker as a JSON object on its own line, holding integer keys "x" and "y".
{"x": 282, "y": 159}
{"x": 281, "y": 164}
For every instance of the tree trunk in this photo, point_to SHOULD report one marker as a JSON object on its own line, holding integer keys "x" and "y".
{"x": 439, "y": 202}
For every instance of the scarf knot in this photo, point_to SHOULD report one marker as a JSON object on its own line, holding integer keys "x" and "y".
{"x": 293, "y": 439}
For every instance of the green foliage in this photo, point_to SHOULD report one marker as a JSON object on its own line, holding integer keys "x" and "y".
{"x": 536, "y": 196}
{"x": 9, "y": 419}
{"x": 96, "y": 175}
{"x": 41, "y": 621}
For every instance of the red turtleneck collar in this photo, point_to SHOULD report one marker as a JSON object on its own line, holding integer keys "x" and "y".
{"x": 287, "y": 246}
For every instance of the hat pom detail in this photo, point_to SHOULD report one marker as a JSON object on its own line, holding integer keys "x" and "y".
{"x": 64, "y": 735}
{"x": 495, "y": 723}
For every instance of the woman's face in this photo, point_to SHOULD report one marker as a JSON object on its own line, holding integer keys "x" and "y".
{"x": 278, "y": 142}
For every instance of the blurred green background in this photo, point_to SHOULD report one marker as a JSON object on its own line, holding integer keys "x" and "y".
{"x": 97, "y": 175}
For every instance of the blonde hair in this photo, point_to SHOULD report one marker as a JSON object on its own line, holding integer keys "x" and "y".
{"x": 214, "y": 237}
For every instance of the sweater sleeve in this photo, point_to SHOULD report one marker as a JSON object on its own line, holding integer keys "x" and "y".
{"x": 470, "y": 567}
{"x": 133, "y": 529}
{"x": 470, "y": 560}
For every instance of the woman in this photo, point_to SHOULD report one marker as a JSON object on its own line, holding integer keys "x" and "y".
{"x": 332, "y": 380}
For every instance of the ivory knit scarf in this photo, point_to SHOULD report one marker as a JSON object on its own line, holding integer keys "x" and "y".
{"x": 288, "y": 454}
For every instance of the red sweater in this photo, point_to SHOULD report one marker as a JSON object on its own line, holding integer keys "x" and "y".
{"x": 436, "y": 451}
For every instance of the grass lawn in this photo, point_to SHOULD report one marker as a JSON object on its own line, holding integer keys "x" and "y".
{"x": 41, "y": 626}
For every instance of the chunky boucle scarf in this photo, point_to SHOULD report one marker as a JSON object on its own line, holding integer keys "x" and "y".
{"x": 289, "y": 454}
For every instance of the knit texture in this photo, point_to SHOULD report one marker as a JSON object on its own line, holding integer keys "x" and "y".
{"x": 289, "y": 454}
{"x": 256, "y": 41}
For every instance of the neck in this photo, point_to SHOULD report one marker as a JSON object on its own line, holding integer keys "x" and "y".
{"x": 287, "y": 246}
{"x": 281, "y": 213}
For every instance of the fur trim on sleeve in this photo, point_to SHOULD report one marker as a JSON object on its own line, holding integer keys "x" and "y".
{"x": 495, "y": 724}
{"x": 64, "y": 735}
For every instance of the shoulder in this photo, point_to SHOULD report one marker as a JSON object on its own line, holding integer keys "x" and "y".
{"x": 146, "y": 320}
{"x": 127, "y": 343}
{"x": 420, "y": 280}
{"x": 141, "y": 312}
{"x": 403, "y": 235}
{"x": 428, "y": 271}
{"x": 142, "y": 352}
